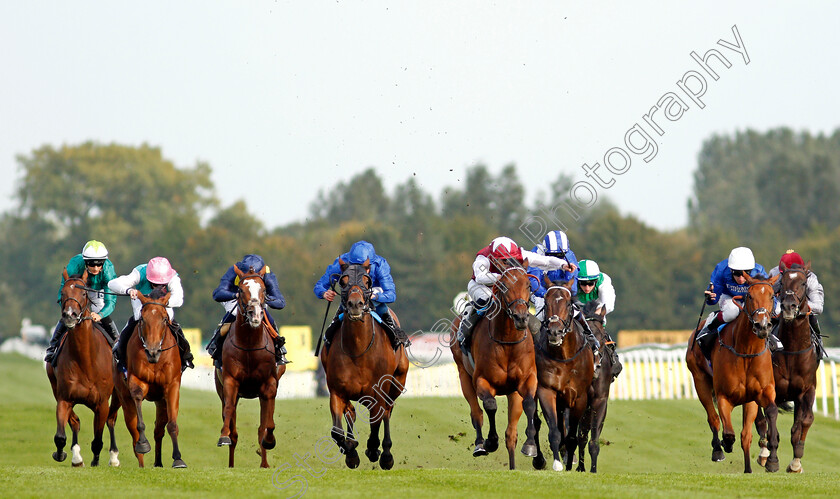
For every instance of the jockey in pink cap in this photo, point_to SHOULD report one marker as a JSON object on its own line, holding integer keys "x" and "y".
{"x": 155, "y": 276}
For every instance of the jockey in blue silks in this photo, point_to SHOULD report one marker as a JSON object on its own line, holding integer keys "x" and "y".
{"x": 383, "y": 290}
{"x": 727, "y": 280}
{"x": 227, "y": 292}
{"x": 556, "y": 244}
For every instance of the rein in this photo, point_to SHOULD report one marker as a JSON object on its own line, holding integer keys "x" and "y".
{"x": 99, "y": 290}
{"x": 241, "y": 312}
{"x": 742, "y": 355}
{"x": 166, "y": 323}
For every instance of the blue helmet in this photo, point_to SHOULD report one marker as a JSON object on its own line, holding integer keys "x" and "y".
{"x": 556, "y": 243}
{"x": 360, "y": 252}
{"x": 251, "y": 261}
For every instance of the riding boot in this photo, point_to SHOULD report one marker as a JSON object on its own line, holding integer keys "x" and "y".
{"x": 111, "y": 330}
{"x": 616, "y": 362}
{"x": 593, "y": 342}
{"x": 332, "y": 328}
{"x": 399, "y": 336}
{"x": 707, "y": 335}
{"x": 775, "y": 344}
{"x": 122, "y": 344}
{"x": 465, "y": 329}
{"x": 817, "y": 335}
{"x": 183, "y": 345}
{"x": 280, "y": 351}
{"x": 58, "y": 332}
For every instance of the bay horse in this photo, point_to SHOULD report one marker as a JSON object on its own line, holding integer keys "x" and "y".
{"x": 361, "y": 365}
{"x": 249, "y": 369}
{"x": 795, "y": 366}
{"x": 504, "y": 364}
{"x": 153, "y": 365}
{"x": 741, "y": 373}
{"x": 599, "y": 391}
{"x": 565, "y": 368}
{"x": 82, "y": 375}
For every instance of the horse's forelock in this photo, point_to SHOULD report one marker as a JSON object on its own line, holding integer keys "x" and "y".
{"x": 158, "y": 292}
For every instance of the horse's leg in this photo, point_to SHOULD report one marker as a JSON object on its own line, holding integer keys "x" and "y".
{"x": 113, "y": 410}
{"x": 705, "y": 392}
{"x": 548, "y": 401}
{"x": 750, "y": 409}
{"x": 386, "y": 461}
{"x": 804, "y": 418}
{"x": 234, "y": 438}
{"x": 476, "y": 416}
{"x": 75, "y": 426}
{"x": 62, "y": 414}
{"x": 160, "y": 431}
{"x": 529, "y": 405}
{"x": 172, "y": 396}
{"x": 488, "y": 399}
{"x": 138, "y": 391}
{"x": 599, "y": 413}
{"x": 583, "y": 437}
{"x": 767, "y": 399}
{"x": 538, "y": 462}
{"x": 231, "y": 390}
{"x": 572, "y": 438}
{"x": 99, "y": 419}
{"x": 266, "y": 430}
{"x": 338, "y": 408}
{"x": 130, "y": 418}
{"x": 511, "y": 436}
{"x": 372, "y": 451}
{"x": 761, "y": 429}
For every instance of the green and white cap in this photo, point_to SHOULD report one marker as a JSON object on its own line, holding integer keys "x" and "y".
{"x": 94, "y": 250}
{"x": 588, "y": 270}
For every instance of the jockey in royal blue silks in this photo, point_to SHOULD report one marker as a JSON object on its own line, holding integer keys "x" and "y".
{"x": 728, "y": 280}
{"x": 556, "y": 244}
{"x": 227, "y": 292}
{"x": 383, "y": 290}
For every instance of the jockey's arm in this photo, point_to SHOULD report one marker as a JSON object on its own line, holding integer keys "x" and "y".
{"x": 176, "y": 297}
{"x": 226, "y": 290}
{"x": 123, "y": 283}
{"x": 383, "y": 280}
{"x": 481, "y": 270}
{"x": 815, "y": 294}
{"x": 545, "y": 262}
{"x": 274, "y": 298}
{"x": 606, "y": 294}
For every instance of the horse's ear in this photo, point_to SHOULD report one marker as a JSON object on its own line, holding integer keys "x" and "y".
{"x": 749, "y": 279}
{"x": 775, "y": 278}
{"x": 547, "y": 281}
{"x": 238, "y": 272}
{"x": 342, "y": 264}
{"x": 64, "y": 274}
{"x": 568, "y": 284}
{"x": 366, "y": 265}
{"x": 525, "y": 263}
{"x": 782, "y": 267}
{"x": 165, "y": 298}
{"x": 262, "y": 271}
{"x": 85, "y": 275}
{"x": 143, "y": 298}
{"x": 807, "y": 266}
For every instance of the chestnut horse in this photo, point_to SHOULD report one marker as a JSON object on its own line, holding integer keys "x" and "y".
{"x": 249, "y": 369}
{"x": 795, "y": 366}
{"x": 82, "y": 375}
{"x": 599, "y": 391}
{"x": 741, "y": 374}
{"x": 565, "y": 367}
{"x": 504, "y": 364}
{"x": 360, "y": 364}
{"x": 154, "y": 374}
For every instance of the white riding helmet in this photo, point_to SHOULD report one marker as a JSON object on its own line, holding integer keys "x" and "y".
{"x": 741, "y": 258}
{"x": 94, "y": 250}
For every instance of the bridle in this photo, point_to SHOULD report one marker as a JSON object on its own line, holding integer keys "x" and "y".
{"x": 84, "y": 310}
{"x": 759, "y": 311}
{"x": 358, "y": 281}
{"x": 509, "y": 305}
{"x": 166, "y": 324}
{"x": 794, "y": 294}
{"x": 243, "y": 305}
{"x": 553, "y": 319}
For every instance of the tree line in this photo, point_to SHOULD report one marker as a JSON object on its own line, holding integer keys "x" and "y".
{"x": 770, "y": 191}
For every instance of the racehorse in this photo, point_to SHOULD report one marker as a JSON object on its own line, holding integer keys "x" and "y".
{"x": 82, "y": 375}
{"x": 565, "y": 367}
{"x": 741, "y": 373}
{"x": 249, "y": 369}
{"x": 795, "y": 366}
{"x": 361, "y": 365}
{"x": 154, "y": 373}
{"x": 504, "y": 363}
{"x": 599, "y": 391}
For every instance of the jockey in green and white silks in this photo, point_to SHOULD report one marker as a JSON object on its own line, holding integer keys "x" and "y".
{"x": 596, "y": 287}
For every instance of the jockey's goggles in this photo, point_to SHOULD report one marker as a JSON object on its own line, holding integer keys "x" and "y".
{"x": 588, "y": 282}
{"x": 738, "y": 273}
{"x": 94, "y": 263}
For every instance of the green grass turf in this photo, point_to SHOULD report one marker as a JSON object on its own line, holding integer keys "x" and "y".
{"x": 650, "y": 448}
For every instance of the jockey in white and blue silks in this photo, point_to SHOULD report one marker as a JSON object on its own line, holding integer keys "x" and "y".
{"x": 728, "y": 280}
{"x": 383, "y": 290}
{"x": 556, "y": 244}
{"x": 228, "y": 291}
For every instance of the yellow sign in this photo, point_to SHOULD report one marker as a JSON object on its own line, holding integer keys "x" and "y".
{"x": 629, "y": 338}
{"x": 300, "y": 348}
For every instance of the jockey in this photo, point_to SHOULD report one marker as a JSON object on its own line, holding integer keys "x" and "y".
{"x": 228, "y": 291}
{"x": 144, "y": 278}
{"x": 383, "y": 289}
{"x": 486, "y": 274}
{"x": 94, "y": 258}
{"x": 555, "y": 243}
{"x": 727, "y": 280}
{"x": 596, "y": 287}
{"x": 814, "y": 293}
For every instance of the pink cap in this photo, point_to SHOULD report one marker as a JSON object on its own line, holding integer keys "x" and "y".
{"x": 159, "y": 271}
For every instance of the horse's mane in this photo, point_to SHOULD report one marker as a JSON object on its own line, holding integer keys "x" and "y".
{"x": 158, "y": 292}
{"x": 588, "y": 309}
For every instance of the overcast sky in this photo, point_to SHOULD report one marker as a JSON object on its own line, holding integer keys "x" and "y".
{"x": 291, "y": 97}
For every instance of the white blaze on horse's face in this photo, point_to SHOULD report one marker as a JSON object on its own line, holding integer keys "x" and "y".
{"x": 254, "y": 312}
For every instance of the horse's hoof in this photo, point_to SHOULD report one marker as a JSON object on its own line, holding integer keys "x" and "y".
{"x": 352, "y": 460}
{"x": 114, "y": 461}
{"x": 718, "y": 456}
{"x": 491, "y": 444}
{"x": 772, "y": 466}
{"x": 95, "y": 462}
{"x": 142, "y": 447}
{"x": 372, "y": 454}
{"x": 791, "y": 470}
{"x": 386, "y": 462}
{"x": 761, "y": 461}
{"x": 268, "y": 444}
{"x": 59, "y": 456}
{"x": 539, "y": 462}
{"x": 178, "y": 463}
{"x": 223, "y": 441}
{"x": 78, "y": 465}
{"x": 529, "y": 450}
{"x": 158, "y": 464}
{"x": 479, "y": 450}
{"x": 558, "y": 466}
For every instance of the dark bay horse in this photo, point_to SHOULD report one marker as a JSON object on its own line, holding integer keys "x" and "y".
{"x": 504, "y": 364}
{"x": 361, "y": 365}
{"x": 795, "y": 366}
{"x": 565, "y": 367}
{"x": 741, "y": 374}
{"x": 599, "y": 391}
{"x": 249, "y": 369}
{"x": 154, "y": 374}
{"x": 82, "y": 375}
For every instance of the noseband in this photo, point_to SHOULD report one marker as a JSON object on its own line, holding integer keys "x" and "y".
{"x": 357, "y": 278}
{"x": 757, "y": 311}
{"x": 141, "y": 322}
{"x": 243, "y": 308}
{"x": 548, "y": 321}
{"x": 82, "y": 308}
